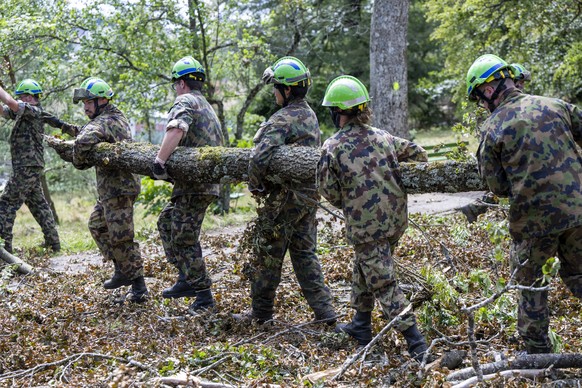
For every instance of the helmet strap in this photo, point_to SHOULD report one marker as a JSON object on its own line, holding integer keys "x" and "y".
{"x": 490, "y": 100}
{"x": 281, "y": 89}
{"x": 98, "y": 108}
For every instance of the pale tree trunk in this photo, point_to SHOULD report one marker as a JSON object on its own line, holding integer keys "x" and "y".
{"x": 388, "y": 69}
{"x": 290, "y": 166}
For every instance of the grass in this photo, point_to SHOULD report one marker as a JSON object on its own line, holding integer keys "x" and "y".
{"x": 74, "y": 211}
{"x": 440, "y": 136}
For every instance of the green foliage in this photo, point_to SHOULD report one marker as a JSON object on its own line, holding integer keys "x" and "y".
{"x": 442, "y": 309}
{"x": 550, "y": 269}
{"x": 154, "y": 195}
{"x": 498, "y": 232}
{"x": 537, "y": 34}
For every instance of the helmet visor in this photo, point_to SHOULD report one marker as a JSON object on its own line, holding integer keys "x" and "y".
{"x": 82, "y": 94}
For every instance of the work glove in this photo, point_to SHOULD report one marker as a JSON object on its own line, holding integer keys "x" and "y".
{"x": 159, "y": 169}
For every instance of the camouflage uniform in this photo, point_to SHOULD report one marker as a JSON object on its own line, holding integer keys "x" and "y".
{"x": 180, "y": 221}
{"x": 530, "y": 152}
{"x": 24, "y": 185}
{"x": 290, "y": 214}
{"x": 359, "y": 173}
{"x": 111, "y": 222}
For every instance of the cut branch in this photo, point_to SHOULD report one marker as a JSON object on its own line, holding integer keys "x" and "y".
{"x": 289, "y": 166}
{"x": 528, "y": 361}
{"x": 21, "y": 266}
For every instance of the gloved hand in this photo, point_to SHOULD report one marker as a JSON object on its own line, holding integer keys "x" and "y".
{"x": 159, "y": 169}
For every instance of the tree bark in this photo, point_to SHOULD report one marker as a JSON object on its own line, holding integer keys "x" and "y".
{"x": 388, "y": 66}
{"x": 289, "y": 166}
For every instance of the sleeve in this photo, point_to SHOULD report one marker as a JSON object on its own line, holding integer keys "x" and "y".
{"x": 491, "y": 168}
{"x": 329, "y": 184}
{"x": 7, "y": 113}
{"x": 269, "y": 136}
{"x": 408, "y": 151}
{"x": 180, "y": 116}
{"x": 576, "y": 120}
{"x": 89, "y": 136}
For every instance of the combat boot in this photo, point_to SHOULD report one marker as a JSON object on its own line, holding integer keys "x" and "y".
{"x": 204, "y": 301}
{"x": 117, "y": 280}
{"x": 139, "y": 291}
{"x": 8, "y": 246}
{"x": 329, "y": 317}
{"x": 360, "y": 328}
{"x": 416, "y": 343}
{"x": 180, "y": 289}
{"x": 250, "y": 316}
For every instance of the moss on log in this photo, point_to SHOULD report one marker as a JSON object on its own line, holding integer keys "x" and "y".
{"x": 289, "y": 165}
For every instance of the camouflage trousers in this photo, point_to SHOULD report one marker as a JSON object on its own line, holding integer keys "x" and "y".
{"x": 111, "y": 225}
{"x": 294, "y": 229}
{"x": 374, "y": 278}
{"x": 529, "y": 256}
{"x": 24, "y": 186}
{"x": 179, "y": 225}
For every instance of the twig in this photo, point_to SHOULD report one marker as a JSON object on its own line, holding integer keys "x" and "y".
{"x": 365, "y": 349}
{"x": 66, "y": 360}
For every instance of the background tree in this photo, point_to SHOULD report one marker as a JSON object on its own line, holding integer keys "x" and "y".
{"x": 388, "y": 66}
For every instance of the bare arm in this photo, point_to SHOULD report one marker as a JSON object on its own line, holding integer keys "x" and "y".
{"x": 8, "y": 100}
{"x": 171, "y": 140}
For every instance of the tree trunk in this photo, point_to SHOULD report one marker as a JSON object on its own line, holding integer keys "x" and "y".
{"x": 289, "y": 166}
{"x": 388, "y": 66}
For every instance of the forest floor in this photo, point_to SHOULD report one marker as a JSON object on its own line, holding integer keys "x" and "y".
{"x": 59, "y": 327}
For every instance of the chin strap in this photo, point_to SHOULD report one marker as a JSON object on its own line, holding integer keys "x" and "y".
{"x": 97, "y": 108}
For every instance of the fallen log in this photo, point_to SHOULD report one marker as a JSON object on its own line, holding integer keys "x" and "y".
{"x": 21, "y": 266}
{"x": 289, "y": 165}
{"x": 528, "y": 361}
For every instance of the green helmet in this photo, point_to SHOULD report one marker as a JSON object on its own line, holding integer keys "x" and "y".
{"x": 288, "y": 71}
{"x": 485, "y": 69}
{"x": 346, "y": 92}
{"x": 28, "y": 86}
{"x": 91, "y": 89}
{"x": 520, "y": 72}
{"x": 188, "y": 65}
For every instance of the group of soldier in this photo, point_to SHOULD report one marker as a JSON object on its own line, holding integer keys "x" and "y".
{"x": 529, "y": 152}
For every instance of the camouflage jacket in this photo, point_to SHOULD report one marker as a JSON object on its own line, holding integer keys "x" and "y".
{"x": 530, "y": 152}
{"x": 110, "y": 126}
{"x": 359, "y": 173}
{"x": 294, "y": 124}
{"x": 26, "y": 138}
{"x": 195, "y": 116}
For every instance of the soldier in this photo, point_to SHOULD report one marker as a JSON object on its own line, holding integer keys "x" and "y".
{"x": 111, "y": 222}
{"x": 359, "y": 173}
{"x": 191, "y": 123}
{"x": 27, "y": 154}
{"x": 288, "y": 213}
{"x": 520, "y": 76}
{"x": 529, "y": 152}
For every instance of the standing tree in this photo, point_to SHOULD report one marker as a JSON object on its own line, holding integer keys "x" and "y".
{"x": 388, "y": 69}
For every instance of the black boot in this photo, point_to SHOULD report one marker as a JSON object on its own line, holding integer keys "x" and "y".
{"x": 329, "y": 317}
{"x": 139, "y": 291}
{"x": 180, "y": 289}
{"x": 117, "y": 280}
{"x": 416, "y": 343}
{"x": 360, "y": 328}
{"x": 8, "y": 246}
{"x": 204, "y": 301}
{"x": 250, "y": 316}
